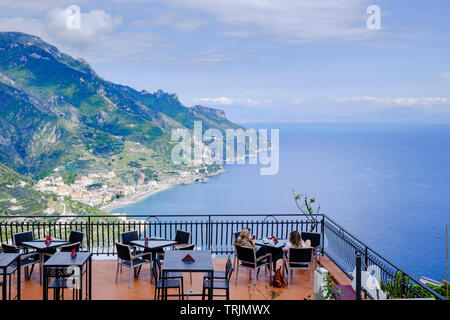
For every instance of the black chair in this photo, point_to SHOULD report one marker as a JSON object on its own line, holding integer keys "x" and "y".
{"x": 9, "y": 272}
{"x": 26, "y": 259}
{"x": 19, "y": 238}
{"x": 299, "y": 259}
{"x": 126, "y": 259}
{"x": 76, "y": 236}
{"x": 185, "y": 247}
{"x": 129, "y": 236}
{"x": 171, "y": 281}
{"x": 220, "y": 275}
{"x": 62, "y": 278}
{"x": 182, "y": 237}
{"x": 70, "y": 247}
{"x": 218, "y": 283}
{"x": 315, "y": 238}
{"x": 246, "y": 258}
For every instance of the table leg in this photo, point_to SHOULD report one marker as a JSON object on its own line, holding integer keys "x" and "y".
{"x": 210, "y": 291}
{"x": 44, "y": 294}
{"x": 41, "y": 266}
{"x": 80, "y": 297}
{"x": 163, "y": 294}
{"x": 4, "y": 284}
{"x": 18, "y": 278}
{"x": 90, "y": 278}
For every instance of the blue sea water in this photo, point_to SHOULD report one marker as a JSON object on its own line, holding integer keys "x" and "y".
{"x": 389, "y": 185}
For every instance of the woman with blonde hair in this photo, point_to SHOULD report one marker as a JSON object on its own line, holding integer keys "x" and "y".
{"x": 244, "y": 241}
{"x": 296, "y": 241}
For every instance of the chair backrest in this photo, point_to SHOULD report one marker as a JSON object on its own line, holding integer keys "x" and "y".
{"x": 22, "y": 237}
{"x": 8, "y": 248}
{"x": 76, "y": 236}
{"x": 129, "y": 236}
{"x": 123, "y": 251}
{"x": 314, "y": 237}
{"x": 60, "y": 272}
{"x": 300, "y": 255}
{"x": 182, "y": 236}
{"x": 228, "y": 268}
{"x": 156, "y": 268}
{"x": 245, "y": 254}
{"x": 187, "y": 247}
{"x": 69, "y": 247}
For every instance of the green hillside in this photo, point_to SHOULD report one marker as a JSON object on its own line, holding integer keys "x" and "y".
{"x": 17, "y": 197}
{"x": 56, "y": 112}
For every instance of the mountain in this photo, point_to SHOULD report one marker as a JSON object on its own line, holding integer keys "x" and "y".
{"x": 56, "y": 113}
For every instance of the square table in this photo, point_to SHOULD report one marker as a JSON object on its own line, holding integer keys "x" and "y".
{"x": 153, "y": 243}
{"x": 279, "y": 245}
{"x": 63, "y": 259}
{"x": 40, "y": 246}
{"x": 203, "y": 263}
{"x": 6, "y": 259}
{"x": 274, "y": 249}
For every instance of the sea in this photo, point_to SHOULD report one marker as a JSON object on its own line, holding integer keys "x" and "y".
{"x": 387, "y": 184}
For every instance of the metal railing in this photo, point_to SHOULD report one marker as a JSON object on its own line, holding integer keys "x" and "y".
{"x": 216, "y": 233}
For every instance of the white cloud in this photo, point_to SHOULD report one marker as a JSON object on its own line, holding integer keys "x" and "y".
{"x": 298, "y": 101}
{"x": 289, "y": 20}
{"x": 395, "y": 101}
{"x": 94, "y": 26}
{"x": 224, "y": 101}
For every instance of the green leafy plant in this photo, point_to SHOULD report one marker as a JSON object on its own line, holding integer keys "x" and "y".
{"x": 329, "y": 289}
{"x": 308, "y": 208}
{"x": 401, "y": 287}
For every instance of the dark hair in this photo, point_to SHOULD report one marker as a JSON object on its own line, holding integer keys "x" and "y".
{"x": 295, "y": 238}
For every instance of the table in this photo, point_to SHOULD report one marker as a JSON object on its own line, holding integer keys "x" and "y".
{"x": 203, "y": 263}
{"x": 153, "y": 243}
{"x": 279, "y": 245}
{"x": 6, "y": 259}
{"x": 40, "y": 246}
{"x": 276, "y": 249}
{"x": 63, "y": 259}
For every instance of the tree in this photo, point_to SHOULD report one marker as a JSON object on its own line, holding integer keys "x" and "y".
{"x": 308, "y": 208}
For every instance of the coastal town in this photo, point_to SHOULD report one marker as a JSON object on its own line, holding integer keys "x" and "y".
{"x": 106, "y": 191}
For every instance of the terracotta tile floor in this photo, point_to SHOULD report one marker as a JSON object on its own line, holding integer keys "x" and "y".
{"x": 105, "y": 288}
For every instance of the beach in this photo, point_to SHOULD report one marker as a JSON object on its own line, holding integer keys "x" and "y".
{"x": 162, "y": 185}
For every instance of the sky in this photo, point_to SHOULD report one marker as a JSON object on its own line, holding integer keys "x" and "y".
{"x": 263, "y": 60}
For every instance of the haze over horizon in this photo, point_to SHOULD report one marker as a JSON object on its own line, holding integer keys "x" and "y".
{"x": 285, "y": 60}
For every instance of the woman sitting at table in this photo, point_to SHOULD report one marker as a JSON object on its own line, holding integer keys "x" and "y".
{"x": 244, "y": 241}
{"x": 296, "y": 241}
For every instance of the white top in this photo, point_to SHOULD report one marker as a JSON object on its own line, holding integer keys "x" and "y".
{"x": 290, "y": 245}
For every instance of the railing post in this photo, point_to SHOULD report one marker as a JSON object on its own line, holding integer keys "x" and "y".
{"x": 89, "y": 234}
{"x": 209, "y": 242}
{"x": 358, "y": 275}
{"x": 322, "y": 231}
{"x": 402, "y": 285}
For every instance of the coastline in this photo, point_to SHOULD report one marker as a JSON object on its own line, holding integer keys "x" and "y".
{"x": 141, "y": 195}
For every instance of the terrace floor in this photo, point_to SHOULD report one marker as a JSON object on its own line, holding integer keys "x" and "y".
{"x": 105, "y": 288}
